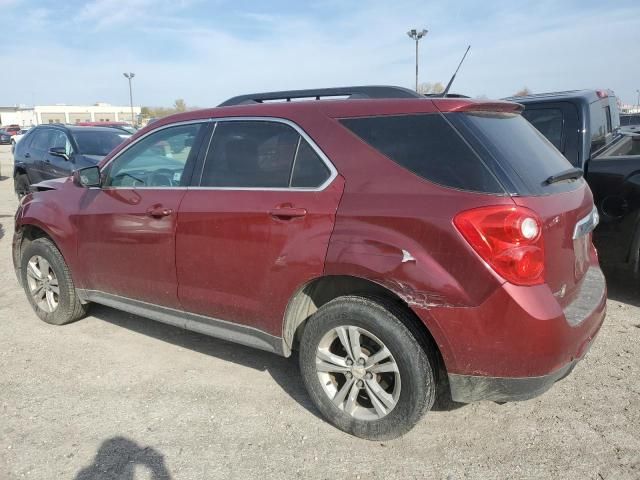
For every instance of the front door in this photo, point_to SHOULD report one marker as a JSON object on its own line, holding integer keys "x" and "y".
{"x": 257, "y": 225}
{"x": 54, "y": 166}
{"x": 127, "y": 228}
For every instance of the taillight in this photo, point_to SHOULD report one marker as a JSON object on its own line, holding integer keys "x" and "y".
{"x": 508, "y": 238}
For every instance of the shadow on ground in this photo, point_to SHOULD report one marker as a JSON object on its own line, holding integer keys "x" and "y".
{"x": 118, "y": 457}
{"x": 623, "y": 287}
{"x": 283, "y": 370}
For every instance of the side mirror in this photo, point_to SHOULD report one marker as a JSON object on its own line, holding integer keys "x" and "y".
{"x": 59, "y": 152}
{"x": 87, "y": 177}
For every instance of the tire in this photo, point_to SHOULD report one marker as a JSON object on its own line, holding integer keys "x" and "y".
{"x": 21, "y": 184}
{"x": 376, "y": 323}
{"x": 65, "y": 306}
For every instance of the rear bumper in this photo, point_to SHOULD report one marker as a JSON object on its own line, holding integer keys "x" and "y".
{"x": 519, "y": 342}
{"x": 469, "y": 388}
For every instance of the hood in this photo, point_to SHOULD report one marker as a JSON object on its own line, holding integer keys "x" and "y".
{"x": 53, "y": 184}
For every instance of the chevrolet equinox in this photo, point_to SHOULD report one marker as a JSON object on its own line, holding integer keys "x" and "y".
{"x": 402, "y": 245}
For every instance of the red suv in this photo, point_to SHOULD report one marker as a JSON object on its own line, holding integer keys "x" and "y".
{"x": 398, "y": 243}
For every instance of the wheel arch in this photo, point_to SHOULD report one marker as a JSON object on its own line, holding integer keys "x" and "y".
{"x": 321, "y": 290}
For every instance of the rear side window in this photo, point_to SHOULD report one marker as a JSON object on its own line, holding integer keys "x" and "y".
{"x": 40, "y": 140}
{"x": 548, "y": 121}
{"x": 517, "y": 148}
{"x": 598, "y": 126}
{"x": 261, "y": 154}
{"x": 427, "y": 146}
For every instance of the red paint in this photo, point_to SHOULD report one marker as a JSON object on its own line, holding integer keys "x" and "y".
{"x": 225, "y": 254}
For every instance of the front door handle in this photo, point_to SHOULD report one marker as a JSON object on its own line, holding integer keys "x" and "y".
{"x": 27, "y": 155}
{"x": 159, "y": 211}
{"x": 286, "y": 213}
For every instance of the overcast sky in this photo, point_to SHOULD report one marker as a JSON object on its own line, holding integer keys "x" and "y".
{"x": 207, "y": 50}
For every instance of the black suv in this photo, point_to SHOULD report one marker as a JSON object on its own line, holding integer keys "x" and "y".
{"x": 53, "y": 151}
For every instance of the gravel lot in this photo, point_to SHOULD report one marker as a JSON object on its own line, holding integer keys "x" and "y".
{"x": 120, "y": 396}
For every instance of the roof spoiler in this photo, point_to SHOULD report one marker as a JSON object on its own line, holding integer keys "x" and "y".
{"x": 495, "y": 106}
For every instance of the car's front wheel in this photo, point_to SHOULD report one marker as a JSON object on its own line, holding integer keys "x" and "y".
{"x": 364, "y": 368}
{"x": 47, "y": 282}
{"x": 21, "y": 184}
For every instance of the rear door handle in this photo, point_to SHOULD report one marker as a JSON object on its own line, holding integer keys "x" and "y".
{"x": 286, "y": 213}
{"x": 158, "y": 212}
{"x": 27, "y": 155}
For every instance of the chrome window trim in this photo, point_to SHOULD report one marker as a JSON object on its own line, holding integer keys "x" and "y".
{"x": 333, "y": 172}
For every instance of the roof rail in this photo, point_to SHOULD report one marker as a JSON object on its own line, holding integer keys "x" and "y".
{"x": 372, "y": 91}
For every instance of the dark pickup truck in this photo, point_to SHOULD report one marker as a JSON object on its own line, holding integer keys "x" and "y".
{"x": 585, "y": 126}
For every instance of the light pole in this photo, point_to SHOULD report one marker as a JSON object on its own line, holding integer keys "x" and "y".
{"x": 638, "y": 102}
{"x": 417, "y": 35}
{"x": 129, "y": 76}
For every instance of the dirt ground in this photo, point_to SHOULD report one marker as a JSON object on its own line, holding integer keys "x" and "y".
{"x": 119, "y": 396}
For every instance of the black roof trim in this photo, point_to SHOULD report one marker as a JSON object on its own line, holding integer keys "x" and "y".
{"x": 371, "y": 91}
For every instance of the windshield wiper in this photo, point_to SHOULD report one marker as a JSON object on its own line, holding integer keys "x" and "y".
{"x": 570, "y": 174}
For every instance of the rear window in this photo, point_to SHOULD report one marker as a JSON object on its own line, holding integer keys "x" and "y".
{"x": 548, "y": 121}
{"x": 428, "y": 146}
{"x": 519, "y": 153}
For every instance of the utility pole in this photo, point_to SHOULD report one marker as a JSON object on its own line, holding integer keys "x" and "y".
{"x": 638, "y": 102}
{"x": 129, "y": 76}
{"x": 417, "y": 35}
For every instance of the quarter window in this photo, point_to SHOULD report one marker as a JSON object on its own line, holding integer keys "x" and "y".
{"x": 261, "y": 154}
{"x": 427, "y": 146}
{"x": 158, "y": 160}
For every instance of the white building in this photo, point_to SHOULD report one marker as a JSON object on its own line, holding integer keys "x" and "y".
{"x": 100, "y": 112}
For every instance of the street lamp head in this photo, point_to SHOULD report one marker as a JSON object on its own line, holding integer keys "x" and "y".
{"x": 129, "y": 75}
{"x": 415, "y": 34}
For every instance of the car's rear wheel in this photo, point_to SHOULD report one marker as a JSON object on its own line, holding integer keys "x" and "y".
{"x": 364, "y": 368}
{"x": 47, "y": 282}
{"x": 21, "y": 184}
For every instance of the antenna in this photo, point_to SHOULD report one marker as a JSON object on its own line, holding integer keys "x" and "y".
{"x": 446, "y": 90}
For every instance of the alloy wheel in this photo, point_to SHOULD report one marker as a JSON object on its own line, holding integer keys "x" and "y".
{"x": 43, "y": 284}
{"x": 358, "y": 372}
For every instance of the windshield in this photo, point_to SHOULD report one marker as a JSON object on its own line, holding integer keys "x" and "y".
{"x": 99, "y": 142}
{"x": 516, "y": 149}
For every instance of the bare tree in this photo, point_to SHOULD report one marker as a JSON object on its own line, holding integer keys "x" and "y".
{"x": 180, "y": 105}
{"x": 428, "y": 87}
{"x": 523, "y": 92}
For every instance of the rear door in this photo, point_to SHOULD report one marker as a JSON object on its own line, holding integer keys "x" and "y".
{"x": 256, "y": 225}
{"x": 35, "y": 153}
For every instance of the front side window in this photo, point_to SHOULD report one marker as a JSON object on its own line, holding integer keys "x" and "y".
{"x": 261, "y": 154}
{"x": 157, "y": 160}
{"x": 61, "y": 140}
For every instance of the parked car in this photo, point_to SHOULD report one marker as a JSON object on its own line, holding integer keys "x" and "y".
{"x": 17, "y": 137}
{"x": 12, "y": 129}
{"x": 582, "y": 124}
{"x": 118, "y": 125}
{"x": 398, "y": 243}
{"x": 52, "y": 151}
{"x": 5, "y": 137}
